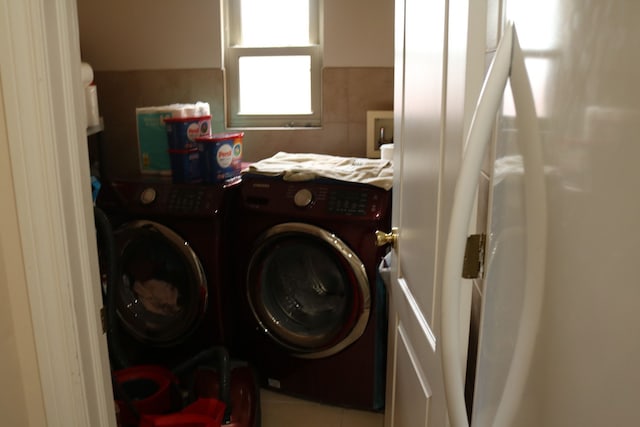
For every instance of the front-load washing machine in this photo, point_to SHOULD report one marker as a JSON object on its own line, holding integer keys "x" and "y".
{"x": 310, "y": 310}
{"x": 170, "y": 243}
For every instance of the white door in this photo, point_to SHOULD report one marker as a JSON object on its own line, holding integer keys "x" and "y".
{"x": 437, "y": 70}
{"x": 415, "y": 394}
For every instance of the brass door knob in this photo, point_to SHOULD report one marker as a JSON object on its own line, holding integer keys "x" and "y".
{"x": 383, "y": 238}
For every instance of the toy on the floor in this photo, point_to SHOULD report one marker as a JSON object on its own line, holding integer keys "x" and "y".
{"x": 206, "y": 391}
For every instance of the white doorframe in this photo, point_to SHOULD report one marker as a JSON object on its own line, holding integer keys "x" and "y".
{"x": 43, "y": 96}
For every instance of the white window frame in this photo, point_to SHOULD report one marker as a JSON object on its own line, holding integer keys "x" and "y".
{"x": 233, "y": 51}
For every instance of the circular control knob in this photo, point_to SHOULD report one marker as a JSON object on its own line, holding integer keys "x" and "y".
{"x": 148, "y": 196}
{"x": 303, "y": 198}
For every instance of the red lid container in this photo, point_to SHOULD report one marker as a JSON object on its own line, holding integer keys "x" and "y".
{"x": 220, "y": 156}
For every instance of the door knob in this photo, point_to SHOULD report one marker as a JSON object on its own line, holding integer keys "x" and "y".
{"x": 383, "y": 238}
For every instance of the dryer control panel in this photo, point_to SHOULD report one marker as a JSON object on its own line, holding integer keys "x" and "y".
{"x": 349, "y": 202}
{"x": 315, "y": 199}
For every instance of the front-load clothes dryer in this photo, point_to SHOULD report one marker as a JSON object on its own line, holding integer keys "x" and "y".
{"x": 309, "y": 305}
{"x": 170, "y": 240}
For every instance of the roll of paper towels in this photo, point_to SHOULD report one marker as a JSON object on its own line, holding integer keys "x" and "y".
{"x": 86, "y": 74}
{"x": 91, "y": 105}
{"x": 386, "y": 152}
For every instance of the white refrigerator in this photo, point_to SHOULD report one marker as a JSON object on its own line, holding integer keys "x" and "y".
{"x": 559, "y": 338}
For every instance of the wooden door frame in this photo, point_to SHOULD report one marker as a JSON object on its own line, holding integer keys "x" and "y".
{"x": 44, "y": 111}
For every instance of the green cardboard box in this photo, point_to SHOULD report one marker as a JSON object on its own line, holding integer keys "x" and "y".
{"x": 152, "y": 141}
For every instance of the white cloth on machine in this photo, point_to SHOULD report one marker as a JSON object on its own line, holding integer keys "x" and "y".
{"x": 307, "y": 166}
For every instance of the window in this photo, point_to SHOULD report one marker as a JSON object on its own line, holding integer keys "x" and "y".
{"x": 273, "y": 60}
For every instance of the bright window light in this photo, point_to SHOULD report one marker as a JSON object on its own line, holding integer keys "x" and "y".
{"x": 275, "y": 85}
{"x": 538, "y": 70}
{"x": 273, "y": 63}
{"x": 275, "y": 22}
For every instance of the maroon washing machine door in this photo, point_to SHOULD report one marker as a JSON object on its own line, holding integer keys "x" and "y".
{"x": 162, "y": 296}
{"x": 308, "y": 290}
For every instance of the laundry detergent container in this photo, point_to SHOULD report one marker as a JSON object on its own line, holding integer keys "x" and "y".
{"x": 185, "y": 165}
{"x": 182, "y": 132}
{"x": 220, "y": 156}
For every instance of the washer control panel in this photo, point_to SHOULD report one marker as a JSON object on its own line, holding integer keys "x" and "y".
{"x": 160, "y": 198}
{"x": 186, "y": 199}
{"x": 303, "y": 198}
{"x": 148, "y": 196}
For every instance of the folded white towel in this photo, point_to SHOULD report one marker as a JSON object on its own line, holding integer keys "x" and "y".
{"x": 307, "y": 166}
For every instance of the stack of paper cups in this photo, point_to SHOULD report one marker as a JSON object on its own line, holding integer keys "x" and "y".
{"x": 90, "y": 96}
{"x": 386, "y": 152}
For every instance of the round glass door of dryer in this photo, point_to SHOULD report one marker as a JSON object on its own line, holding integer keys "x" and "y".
{"x": 308, "y": 290}
{"x": 162, "y": 295}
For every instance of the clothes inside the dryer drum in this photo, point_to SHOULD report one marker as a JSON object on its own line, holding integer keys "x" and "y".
{"x": 303, "y": 292}
{"x": 162, "y": 295}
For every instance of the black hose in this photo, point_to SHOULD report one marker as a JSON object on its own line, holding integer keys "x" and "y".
{"x": 220, "y": 357}
{"x": 111, "y": 261}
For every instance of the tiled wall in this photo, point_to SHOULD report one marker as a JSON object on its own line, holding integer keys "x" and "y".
{"x": 347, "y": 94}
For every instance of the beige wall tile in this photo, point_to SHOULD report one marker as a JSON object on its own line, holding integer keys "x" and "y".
{"x": 369, "y": 89}
{"x": 347, "y": 95}
{"x": 358, "y": 138}
{"x": 335, "y": 95}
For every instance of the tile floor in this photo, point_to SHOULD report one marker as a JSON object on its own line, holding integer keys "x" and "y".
{"x": 279, "y": 410}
